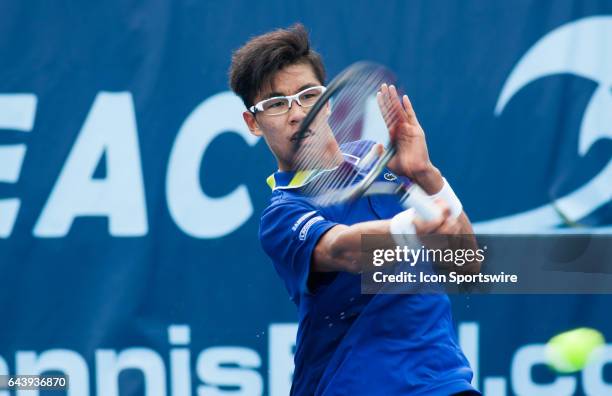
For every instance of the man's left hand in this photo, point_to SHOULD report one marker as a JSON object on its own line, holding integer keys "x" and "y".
{"x": 412, "y": 158}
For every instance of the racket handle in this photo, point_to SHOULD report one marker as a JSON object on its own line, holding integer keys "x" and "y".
{"x": 418, "y": 199}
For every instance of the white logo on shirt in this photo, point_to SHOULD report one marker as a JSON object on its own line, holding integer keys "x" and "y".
{"x": 304, "y": 230}
{"x": 301, "y": 220}
{"x": 390, "y": 176}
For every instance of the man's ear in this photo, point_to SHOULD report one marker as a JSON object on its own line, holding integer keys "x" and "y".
{"x": 249, "y": 119}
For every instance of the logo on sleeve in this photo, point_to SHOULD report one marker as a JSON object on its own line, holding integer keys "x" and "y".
{"x": 309, "y": 223}
{"x": 390, "y": 176}
{"x": 301, "y": 220}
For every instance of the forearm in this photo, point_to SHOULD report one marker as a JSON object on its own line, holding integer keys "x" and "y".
{"x": 468, "y": 242}
{"x": 340, "y": 247}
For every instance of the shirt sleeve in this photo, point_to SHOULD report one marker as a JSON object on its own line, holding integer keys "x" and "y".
{"x": 289, "y": 232}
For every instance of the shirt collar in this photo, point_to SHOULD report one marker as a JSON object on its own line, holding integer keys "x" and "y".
{"x": 291, "y": 179}
{"x": 283, "y": 180}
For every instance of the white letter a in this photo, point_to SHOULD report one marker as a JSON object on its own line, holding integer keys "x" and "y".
{"x": 108, "y": 132}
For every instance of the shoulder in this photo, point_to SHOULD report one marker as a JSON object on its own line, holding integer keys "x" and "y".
{"x": 285, "y": 199}
{"x": 285, "y": 211}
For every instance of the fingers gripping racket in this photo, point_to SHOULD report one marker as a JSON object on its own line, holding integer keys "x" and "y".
{"x": 339, "y": 120}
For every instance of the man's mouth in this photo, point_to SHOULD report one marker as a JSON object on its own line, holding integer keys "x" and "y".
{"x": 296, "y": 136}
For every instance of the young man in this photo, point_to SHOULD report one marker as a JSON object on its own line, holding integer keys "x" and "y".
{"x": 347, "y": 343}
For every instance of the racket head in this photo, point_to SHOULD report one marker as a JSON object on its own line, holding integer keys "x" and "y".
{"x": 344, "y": 114}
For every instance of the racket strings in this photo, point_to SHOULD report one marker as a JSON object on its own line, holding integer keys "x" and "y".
{"x": 348, "y": 176}
{"x": 311, "y": 156}
{"x": 348, "y": 108}
{"x": 344, "y": 129}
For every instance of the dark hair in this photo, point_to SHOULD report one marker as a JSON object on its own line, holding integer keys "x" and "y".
{"x": 256, "y": 62}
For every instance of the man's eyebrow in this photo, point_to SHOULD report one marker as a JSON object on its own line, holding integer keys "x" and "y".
{"x": 276, "y": 93}
{"x": 272, "y": 95}
{"x": 303, "y": 87}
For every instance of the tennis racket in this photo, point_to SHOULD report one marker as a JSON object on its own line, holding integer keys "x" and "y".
{"x": 338, "y": 121}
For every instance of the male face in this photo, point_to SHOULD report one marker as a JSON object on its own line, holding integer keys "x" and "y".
{"x": 280, "y": 131}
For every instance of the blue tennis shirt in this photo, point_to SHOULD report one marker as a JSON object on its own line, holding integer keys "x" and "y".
{"x": 349, "y": 343}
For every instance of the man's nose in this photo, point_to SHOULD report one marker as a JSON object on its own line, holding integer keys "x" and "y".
{"x": 296, "y": 113}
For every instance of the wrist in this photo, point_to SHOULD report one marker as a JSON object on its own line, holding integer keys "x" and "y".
{"x": 447, "y": 195}
{"x": 430, "y": 180}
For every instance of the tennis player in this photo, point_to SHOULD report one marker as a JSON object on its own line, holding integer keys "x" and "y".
{"x": 348, "y": 343}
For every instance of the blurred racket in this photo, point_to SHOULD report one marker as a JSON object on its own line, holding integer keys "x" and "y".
{"x": 337, "y": 120}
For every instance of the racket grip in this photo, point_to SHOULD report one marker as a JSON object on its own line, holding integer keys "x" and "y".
{"x": 424, "y": 206}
